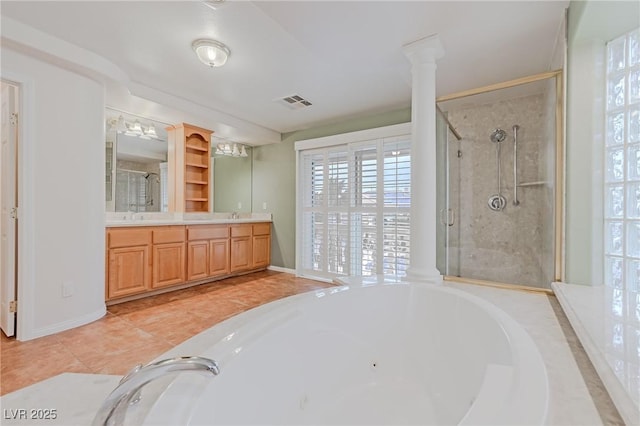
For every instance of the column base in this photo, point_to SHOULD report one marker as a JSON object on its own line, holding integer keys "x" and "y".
{"x": 432, "y": 276}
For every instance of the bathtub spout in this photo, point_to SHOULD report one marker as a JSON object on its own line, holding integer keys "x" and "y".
{"x": 114, "y": 408}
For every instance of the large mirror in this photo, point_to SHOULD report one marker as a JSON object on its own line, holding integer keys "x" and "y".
{"x": 232, "y": 177}
{"x": 136, "y": 168}
{"x": 136, "y": 163}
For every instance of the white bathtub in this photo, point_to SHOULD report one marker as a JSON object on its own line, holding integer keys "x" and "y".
{"x": 391, "y": 353}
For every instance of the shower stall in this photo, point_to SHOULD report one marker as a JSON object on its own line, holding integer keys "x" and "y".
{"x": 498, "y": 200}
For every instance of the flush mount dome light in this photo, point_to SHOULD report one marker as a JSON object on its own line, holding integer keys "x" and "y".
{"x": 211, "y": 52}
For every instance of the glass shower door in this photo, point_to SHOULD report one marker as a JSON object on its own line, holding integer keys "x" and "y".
{"x": 506, "y": 153}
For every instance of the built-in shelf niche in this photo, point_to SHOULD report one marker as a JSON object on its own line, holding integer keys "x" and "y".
{"x": 189, "y": 164}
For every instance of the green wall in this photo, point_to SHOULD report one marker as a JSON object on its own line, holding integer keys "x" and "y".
{"x": 274, "y": 178}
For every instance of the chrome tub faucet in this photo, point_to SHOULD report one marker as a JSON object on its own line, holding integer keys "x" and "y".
{"x": 114, "y": 408}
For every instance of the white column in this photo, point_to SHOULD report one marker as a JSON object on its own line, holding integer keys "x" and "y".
{"x": 423, "y": 54}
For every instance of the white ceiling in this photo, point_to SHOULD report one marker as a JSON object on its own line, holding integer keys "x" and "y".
{"x": 344, "y": 57}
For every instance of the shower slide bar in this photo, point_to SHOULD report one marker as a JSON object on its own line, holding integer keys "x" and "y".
{"x": 515, "y": 165}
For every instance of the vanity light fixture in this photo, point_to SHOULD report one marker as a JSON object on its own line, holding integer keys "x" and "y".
{"x": 120, "y": 125}
{"x": 211, "y": 52}
{"x": 231, "y": 150}
{"x": 135, "y": 129}
{"x": 151, "y": 132}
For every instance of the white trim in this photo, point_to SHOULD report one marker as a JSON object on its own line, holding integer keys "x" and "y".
{"x": 318, "y": 278}
{"x": 47, "y": 48}
{"x": 26, "y": 207}
{"x": 69, "y": 324}
{"x": 343, "y": 142}
{"x": 281, "y": 269}
{"x": 401, "y": 129}
{"x": 297, "y": 247}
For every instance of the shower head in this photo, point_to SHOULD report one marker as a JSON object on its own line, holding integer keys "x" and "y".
{"x": 155, "y": 176}
{"x": 498, "y": 135}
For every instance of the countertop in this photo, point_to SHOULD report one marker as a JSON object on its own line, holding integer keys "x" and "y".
{"x": 607, "y": 321}
{"x": 118, "y": 220}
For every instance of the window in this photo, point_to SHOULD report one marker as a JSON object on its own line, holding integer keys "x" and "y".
{"x": 622, "y": 163}
{"x": 354, "y": 208}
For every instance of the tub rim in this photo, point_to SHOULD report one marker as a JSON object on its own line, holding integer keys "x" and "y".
{"x": 530, "y": 381}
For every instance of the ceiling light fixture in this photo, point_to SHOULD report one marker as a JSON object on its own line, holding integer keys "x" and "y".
{"x": 211, "y": 52}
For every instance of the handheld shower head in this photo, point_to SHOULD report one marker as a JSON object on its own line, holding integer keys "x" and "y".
{"x": 498, "y": 136}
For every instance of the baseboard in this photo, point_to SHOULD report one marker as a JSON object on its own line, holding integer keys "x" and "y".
{"x": 67, "y": 325}
{"x": 281, "y": 269}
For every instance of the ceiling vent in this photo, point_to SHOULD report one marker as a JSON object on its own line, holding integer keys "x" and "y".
{"x": 294, "y": 102}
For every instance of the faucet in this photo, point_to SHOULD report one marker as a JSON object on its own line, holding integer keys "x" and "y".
{"x": 114, "y": 408}
{"x": 234, "y": 215}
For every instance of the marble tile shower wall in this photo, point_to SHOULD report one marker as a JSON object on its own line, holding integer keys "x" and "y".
{"x": 512, "y": 245}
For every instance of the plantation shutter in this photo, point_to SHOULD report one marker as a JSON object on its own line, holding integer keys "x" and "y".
{"x": 355, "y": 208}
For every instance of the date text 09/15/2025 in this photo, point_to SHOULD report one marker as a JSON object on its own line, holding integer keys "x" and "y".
{"x": 29, "y": 413}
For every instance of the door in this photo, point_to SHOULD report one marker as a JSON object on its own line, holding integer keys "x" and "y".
{"x": 241, "y": 253}
{"x": 168, "y": 264}
{"x": 261, "y": 247}
{"x": 8, "y": 206}
{"x": 129, "y": 271}
{"x": 219, "y": 257}
{"x": 197, "y": 260}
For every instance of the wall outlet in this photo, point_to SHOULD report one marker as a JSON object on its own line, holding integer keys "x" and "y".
{"x": 264, "y": 205}
{"x": 239, "y": 205}
{"x": 67, "y": 289}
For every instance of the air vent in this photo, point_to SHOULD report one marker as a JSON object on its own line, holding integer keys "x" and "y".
{"x": 294, "y": 102}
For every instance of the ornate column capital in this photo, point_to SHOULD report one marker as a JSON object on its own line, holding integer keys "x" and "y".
{"x": 425, "y": 50}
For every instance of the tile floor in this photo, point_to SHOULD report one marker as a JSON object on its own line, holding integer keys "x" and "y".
{"x": 139, "y": 331}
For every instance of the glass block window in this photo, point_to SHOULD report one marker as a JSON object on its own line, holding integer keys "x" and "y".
{"x": 622, "y": 164}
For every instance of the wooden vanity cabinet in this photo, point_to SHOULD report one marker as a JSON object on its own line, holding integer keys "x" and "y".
{"x": 129, "y": 261}
{"x": 144, "y": 259}
{"x": 208, "y": 247}
{"x": 241, "y": 247}
{"x": 261, "y": 247}
{"x": 169, "y": 256}
{"x": 250, "y": 246}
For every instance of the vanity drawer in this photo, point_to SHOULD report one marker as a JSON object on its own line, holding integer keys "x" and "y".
{"x": 240, "y": 231}
{"x": 168, "y": 234}
{"x": 128, "y": 237}
{"x": 207, "y": 232}
{"x": 261, "y": 229}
